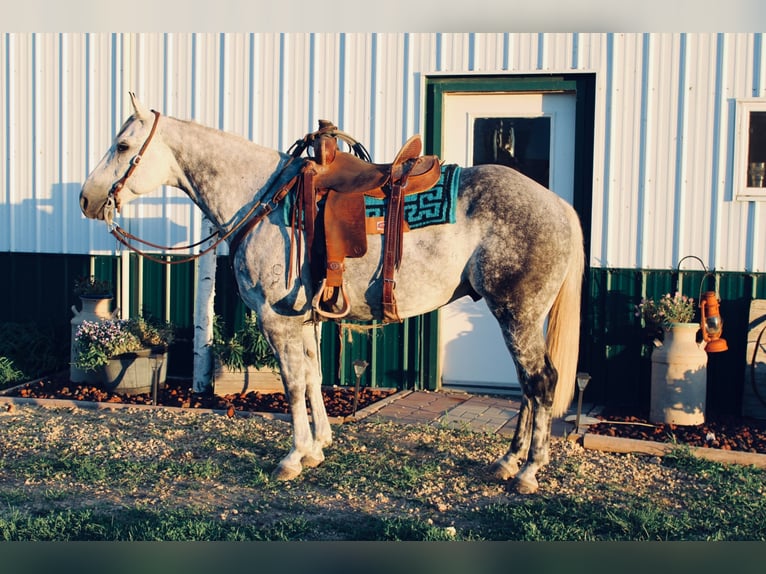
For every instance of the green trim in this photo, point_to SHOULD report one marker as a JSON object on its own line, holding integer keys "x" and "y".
{"x": 582, "y": 85}
{"x": 406, "y": 355}
{"x": 584, "y": 88}
{"x": 437, "y": 86}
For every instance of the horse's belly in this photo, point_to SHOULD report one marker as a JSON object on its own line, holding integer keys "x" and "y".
{"x": 430, "y": 274}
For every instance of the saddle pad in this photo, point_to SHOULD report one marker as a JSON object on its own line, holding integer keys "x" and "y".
{"x": 432, "y": 207}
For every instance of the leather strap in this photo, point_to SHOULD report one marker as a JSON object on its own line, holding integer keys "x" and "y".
{"x": 392, "y": 244}
{"x": 120, "y": 183}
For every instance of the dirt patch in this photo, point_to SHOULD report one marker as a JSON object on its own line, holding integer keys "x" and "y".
{"x": 178, "y": 393}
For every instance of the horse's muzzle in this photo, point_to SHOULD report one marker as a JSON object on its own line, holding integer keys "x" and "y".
{"x": 88, "y": 211}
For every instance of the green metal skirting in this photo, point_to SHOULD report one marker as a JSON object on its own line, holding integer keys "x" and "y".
{"x": 406, "y": 355}
{"x": 613, "y": 343}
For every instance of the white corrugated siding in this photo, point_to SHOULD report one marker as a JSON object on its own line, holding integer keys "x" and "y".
{"x": 663, "y": 131}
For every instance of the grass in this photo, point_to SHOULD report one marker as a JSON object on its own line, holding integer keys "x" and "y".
{"x": 206, "y": 478}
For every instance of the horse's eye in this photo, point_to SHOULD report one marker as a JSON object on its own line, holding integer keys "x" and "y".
{"x": 122, "y": 147}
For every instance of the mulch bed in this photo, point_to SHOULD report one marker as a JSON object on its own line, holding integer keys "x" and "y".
{"x": 726, "y": 433}
{"x": 178, "y": 393}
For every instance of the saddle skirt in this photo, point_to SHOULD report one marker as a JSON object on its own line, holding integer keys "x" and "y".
{"x": 331, "y": 206}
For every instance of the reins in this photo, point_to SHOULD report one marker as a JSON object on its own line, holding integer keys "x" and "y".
{"x": 243, "y": 226}
{"x": 124, "y": 237}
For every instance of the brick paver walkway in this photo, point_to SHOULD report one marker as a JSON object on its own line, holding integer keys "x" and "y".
{"x": 481, "y": 413}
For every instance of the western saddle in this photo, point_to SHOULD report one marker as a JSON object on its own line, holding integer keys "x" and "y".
{"x": 330, "y": 206}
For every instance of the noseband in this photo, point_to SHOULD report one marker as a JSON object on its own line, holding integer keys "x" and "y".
{"x": 112, "y": 201}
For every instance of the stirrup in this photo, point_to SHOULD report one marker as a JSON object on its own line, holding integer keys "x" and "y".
{"x": 316, "y": 303}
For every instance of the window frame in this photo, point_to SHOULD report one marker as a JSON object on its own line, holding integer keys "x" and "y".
{"x": 743, "y": 109}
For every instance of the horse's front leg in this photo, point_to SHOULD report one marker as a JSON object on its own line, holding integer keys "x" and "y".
{"x": 322, "y": 429}
{"x": 301, "y": 379}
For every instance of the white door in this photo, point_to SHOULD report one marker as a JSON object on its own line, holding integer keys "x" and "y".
{"x": 534, "y": 133}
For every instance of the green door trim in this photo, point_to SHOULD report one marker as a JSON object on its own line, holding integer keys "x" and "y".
{"x": 584, "y": 87}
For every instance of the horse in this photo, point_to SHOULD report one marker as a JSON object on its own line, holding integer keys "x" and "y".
{"x": 513, "y": 243}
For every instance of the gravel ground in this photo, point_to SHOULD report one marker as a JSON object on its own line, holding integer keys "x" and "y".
{"x": 431, "y": 473}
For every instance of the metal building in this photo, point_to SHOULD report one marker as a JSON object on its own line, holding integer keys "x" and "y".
{"x": 650, "y": 136}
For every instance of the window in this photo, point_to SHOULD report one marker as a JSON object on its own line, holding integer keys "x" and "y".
{"x": 521, "y": 143}
{"x": 750, "y": 150}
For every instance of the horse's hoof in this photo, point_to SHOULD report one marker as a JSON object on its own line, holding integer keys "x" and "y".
{"x": 312, "y": 461}
{"x": 502, "y": 470}
{"x": 525, "y": 485}
{"x": 284, "y": 472}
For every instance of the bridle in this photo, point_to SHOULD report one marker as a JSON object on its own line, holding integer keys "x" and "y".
{"x": 248, "y": 220}
{"x": 112, "y": 201}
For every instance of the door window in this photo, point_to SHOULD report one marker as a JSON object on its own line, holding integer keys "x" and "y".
{"x": 521, "y": 143}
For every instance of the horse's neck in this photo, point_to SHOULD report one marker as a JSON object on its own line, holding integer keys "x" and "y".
{"x": 222, "y": 172}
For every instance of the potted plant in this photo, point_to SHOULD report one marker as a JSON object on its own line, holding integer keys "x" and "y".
{"x": 679, "y": 363}
{"x": 244, "y": 361}
{"x": 93, "y": 288}
{"x": 124, "y": 352}
{"x": 96, "y": 299}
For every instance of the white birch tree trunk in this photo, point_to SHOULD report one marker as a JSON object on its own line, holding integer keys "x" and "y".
{"x": 203, "y": 316}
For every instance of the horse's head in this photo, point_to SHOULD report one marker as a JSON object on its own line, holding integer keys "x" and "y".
{"x": 138, "y": 162}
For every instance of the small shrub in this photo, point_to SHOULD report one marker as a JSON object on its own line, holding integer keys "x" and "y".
{"x": 247, "y": 347}
{"x": 34, "y": 351}
{"x": 90, "y": 287}
{"x": 8, "y": 373}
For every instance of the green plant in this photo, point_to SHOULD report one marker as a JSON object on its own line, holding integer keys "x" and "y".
{"x": 246, "y": 347}
{"x": 99, "y": 341}
{"x": 152, "y": 332}
{"x": 34, "y": 350}
{"x": 92, "y": 287}
{"x": 8, "y": 372}
{"x": 667, "y": 310}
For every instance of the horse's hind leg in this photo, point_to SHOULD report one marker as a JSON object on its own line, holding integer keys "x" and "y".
{"x": 529, "y": 448}
{"x": 533, "y": 431}
{"x": 507, "y": 466}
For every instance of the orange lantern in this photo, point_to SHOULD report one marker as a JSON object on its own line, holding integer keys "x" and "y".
{"x": 711, "y": 323}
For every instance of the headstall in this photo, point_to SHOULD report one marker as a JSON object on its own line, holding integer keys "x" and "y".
{"x": 251, "y": 218}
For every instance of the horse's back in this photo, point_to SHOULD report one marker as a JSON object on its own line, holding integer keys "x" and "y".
{"x": 507, "y": 227}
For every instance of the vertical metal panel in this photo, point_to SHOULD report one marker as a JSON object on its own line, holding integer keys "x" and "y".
{"x": 397, "y": 353}
{"x": 662, "y": 168}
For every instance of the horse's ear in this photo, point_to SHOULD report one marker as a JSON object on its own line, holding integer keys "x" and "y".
{"x": 139, "y": 109}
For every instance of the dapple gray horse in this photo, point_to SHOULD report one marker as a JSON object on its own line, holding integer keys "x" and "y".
{"x": 514, "y": 243}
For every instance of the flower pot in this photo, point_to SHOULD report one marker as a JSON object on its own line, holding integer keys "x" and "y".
{"x": 93, "y": 309}
{"x": 131, "y": 373}
{"x": 679, "y": 378}
{"x": 228, "y": 381}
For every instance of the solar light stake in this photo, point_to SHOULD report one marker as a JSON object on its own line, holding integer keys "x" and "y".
{"x": 360, "y": 366}
{"x": 157, "y": 359}
{"x": 582, "y": 381}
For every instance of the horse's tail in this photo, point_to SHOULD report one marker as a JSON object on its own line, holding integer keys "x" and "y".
{"x": 563, "y": 337}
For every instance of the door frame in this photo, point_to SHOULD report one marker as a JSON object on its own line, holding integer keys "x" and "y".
{"x": 583, "y": 85}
